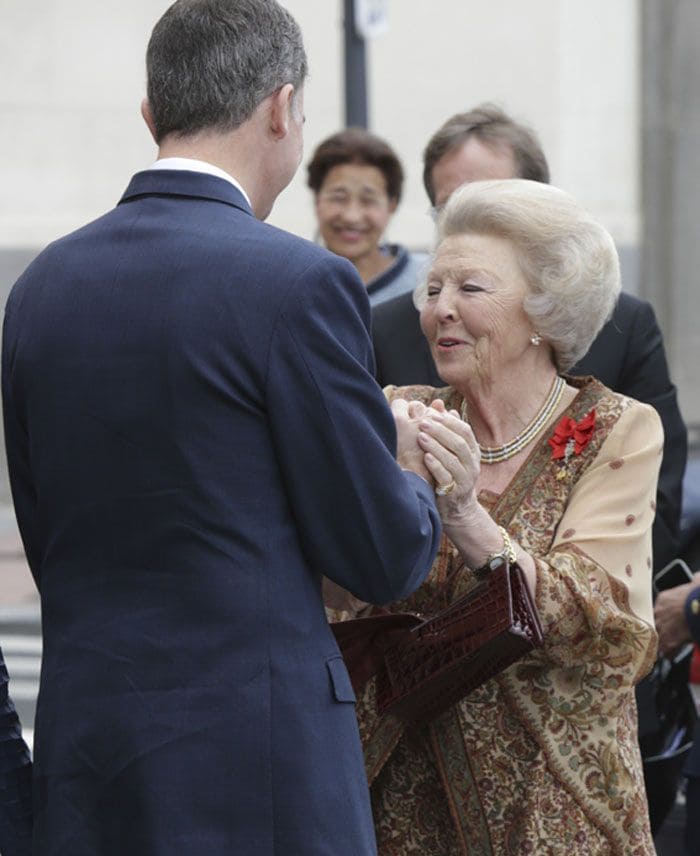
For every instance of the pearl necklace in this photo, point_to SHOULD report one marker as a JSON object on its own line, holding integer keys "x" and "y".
{"x": 496, "y": 454}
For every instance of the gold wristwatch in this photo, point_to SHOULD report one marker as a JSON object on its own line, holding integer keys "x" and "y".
{"x": 507, "y": 554}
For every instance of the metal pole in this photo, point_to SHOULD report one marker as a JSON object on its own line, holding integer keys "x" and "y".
{"x": 355, "y": 71}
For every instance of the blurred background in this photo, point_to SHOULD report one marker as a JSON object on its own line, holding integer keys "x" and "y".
{"x": 611, "y": 88}
{"x": 74, "y": 78}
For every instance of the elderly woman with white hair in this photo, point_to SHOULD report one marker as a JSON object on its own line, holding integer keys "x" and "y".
{"x": 560, "y": 474}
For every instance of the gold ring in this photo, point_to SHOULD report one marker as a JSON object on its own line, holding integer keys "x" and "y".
{"x": 444, "y": 489}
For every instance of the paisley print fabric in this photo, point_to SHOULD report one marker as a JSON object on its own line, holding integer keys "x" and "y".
{"x": 542, "y": 759}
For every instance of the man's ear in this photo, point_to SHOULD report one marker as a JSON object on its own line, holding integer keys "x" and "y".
{"x": 281, "y": 107}
{"x": 148, "y": 119}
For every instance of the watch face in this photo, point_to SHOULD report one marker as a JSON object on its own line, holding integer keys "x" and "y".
{"x": 491, "y": 564}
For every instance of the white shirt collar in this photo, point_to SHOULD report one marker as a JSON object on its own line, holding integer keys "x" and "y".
{"x": 194, "y": 165}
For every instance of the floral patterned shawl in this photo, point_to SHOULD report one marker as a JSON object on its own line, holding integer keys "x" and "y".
{"x": 543, "y": 759}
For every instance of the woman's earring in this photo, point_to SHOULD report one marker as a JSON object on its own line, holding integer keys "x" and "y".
{"x": 536, "y": 339}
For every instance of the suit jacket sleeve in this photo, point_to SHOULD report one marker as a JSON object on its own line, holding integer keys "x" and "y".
{"x": 646, "y": 377}
{"x": 364, "y": 523}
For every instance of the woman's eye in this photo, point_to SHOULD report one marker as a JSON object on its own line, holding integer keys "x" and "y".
{"x": 471, "y": 286}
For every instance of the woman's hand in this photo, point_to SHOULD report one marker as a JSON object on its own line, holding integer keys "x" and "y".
{"x": 451, "y": 454}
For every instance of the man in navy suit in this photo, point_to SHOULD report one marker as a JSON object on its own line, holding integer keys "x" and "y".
{"x": 195, "y": 438}
{"x": 628, "y": 354}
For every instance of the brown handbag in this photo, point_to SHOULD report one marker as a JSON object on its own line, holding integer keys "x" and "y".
{"x": 425, "y": 665}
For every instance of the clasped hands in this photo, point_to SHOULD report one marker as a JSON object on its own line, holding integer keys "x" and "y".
{"x": 441, "y": 448}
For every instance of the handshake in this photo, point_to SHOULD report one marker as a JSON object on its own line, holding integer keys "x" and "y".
{"x": 438, "y": 446}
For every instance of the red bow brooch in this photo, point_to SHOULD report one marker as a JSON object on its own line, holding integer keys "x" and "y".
{"x": 571, "y": 438}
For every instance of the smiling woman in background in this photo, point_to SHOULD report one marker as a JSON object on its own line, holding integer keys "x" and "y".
{"x": 357, "y": 178}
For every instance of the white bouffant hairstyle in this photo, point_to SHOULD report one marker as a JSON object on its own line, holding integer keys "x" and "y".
{"x": 568, "y": 259}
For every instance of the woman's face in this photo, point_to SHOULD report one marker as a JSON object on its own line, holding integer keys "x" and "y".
{"x": 473, "y": 317}
{"x": 353, "y": 209}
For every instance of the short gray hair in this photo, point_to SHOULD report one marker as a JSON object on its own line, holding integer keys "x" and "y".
{"x": 210, "y": 63}
{"x": 568, "y": 259}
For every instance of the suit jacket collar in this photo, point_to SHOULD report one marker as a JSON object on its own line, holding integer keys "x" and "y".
{"x": 176, "y": 182}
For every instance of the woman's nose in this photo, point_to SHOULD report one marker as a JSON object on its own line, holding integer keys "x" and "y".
{"x": 352, "y": 211}
{"x": 445, "y": 304}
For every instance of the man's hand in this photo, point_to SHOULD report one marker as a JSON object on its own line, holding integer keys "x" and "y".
{"x": 669, "y": 614}
{"x": 409, "y": 455}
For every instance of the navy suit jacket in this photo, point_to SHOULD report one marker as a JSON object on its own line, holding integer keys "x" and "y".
{"x": 194, "y": 438}
{"x": 627, "y": 356}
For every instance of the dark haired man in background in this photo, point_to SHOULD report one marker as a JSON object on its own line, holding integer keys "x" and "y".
{"x": 194, "y": 438}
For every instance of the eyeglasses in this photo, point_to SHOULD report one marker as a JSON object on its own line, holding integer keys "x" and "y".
{"x": 343, "y": 200}
{"x": 435, "y": 211}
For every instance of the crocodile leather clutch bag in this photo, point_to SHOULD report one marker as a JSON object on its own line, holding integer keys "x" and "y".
{"x": 426, "y": 664}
